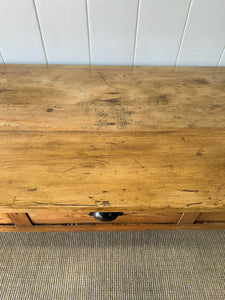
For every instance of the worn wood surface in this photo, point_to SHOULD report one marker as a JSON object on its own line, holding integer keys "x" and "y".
{"x": 76, "y": 98}
{"x": 112, "y": 139}
{"x": 179, "y": 171}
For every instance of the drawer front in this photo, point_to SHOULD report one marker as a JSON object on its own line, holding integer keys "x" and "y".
{"x": 211, "y": 217}
{"x": 5, "y": 219}
{"x": 82, "y": 218}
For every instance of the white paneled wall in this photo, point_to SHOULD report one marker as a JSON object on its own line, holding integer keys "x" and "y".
{"x": 112, "y": 26}
{"x": 204, "y": 36}
{"x": 160, "y": 28}
{"x": 64, "y": 29}
{"x": 20, "y": 39}
{"x": 113, "y": 32}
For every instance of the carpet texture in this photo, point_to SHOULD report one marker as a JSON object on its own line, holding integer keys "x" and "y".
{"x": 113, "y": 265}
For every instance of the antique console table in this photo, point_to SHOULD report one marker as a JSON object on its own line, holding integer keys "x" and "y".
{"x": 111, "y": 148}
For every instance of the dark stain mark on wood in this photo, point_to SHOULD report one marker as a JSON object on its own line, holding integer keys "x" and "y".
{"x": 105, "y": 191}
{"x": 113, "y": 93}
{"x": 123, "y": 190}
{"x": 90, "y": 197}
{"x": 112, "y": 101}
{"x": 91, "y": 164}
{"x": 97, "y": 201}
{"x": 32, "y": 190}
{"x": 105, "y": 203}
{"x": 201, "y": 81}
{"x": 183, "y": 139}
{"x": 214, "y": 106}
{"x": 196, "y": 203}
{"x": 50, "y": 110}
{"x": 189, "y": 191}
{"x": 162, "y": 99}
{"x": 119, "y": 116}
{"x": 4, "y": 90}
{"x": 199, "y": 154}
{"x": 165, "y": 131}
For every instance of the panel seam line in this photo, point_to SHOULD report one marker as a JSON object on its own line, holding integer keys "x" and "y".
{"x": 184, "y": 31}
{"x": 88, "y": 32}
{"x": 2, "y": 57}
{"x": 221, "y": 56}
{"x": 136, "y": 29}
{"x": 40, "y": 31}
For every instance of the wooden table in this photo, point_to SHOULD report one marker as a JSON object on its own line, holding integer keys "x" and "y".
{"x": 143, "y": 141}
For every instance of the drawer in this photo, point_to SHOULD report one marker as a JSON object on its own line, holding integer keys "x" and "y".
{"x": 82, "y": 218}
{"x": 5, "y": 219}
{"x": 211, "y": 217}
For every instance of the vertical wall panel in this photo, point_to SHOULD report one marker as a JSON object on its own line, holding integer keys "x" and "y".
{"x": 160, "y": 28}
{"x": 222, "y": 61}
{"x": 20, "y": 40}
{"x": 1, "y": 60}
{"x": 205, "y": 34}
{"x": 112, "y": 31}
{"x": 64, "y": 28}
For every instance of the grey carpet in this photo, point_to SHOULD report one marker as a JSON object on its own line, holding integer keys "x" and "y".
{"x": 113, "y": 265}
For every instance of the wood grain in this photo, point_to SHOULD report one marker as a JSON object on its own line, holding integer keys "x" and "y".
{"x": 142, "y": 139}
{"x": 66, "y": 171}
{"x": 112, "y": 99}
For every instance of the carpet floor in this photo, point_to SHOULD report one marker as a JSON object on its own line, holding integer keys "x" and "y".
{"x": 113, "y": 265}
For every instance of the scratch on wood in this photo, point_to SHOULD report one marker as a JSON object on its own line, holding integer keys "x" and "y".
{"x": 69, "y": 169}
{"x": 32, "y": 190}
{"x": 137, "y": 162}
{"x": 190, "y": 191}
{"x": 102, "y": 78}
{"x": 220, "y": 187}
{"x": 196, "y": 203}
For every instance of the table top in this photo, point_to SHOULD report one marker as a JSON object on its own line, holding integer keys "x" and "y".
{"x": 114, "y": 99}
{"x": 98, "y": 138}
